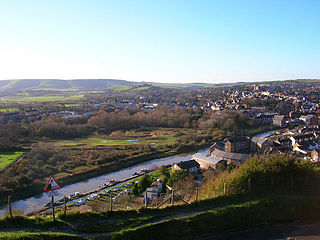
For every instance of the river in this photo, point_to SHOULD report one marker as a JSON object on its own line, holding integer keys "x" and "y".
{"x": 34, "y": 203}
{"x": 265, "y": 134}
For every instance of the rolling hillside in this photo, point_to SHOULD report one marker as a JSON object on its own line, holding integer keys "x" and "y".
{"x": 77, "y": 84}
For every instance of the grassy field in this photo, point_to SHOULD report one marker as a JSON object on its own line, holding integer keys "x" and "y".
{"x": 133, "y": 88}
{"x": 124, "y": 88}
{"x": 8, "y": 157}
{"x": 42, "y": 98}
{"x": 9, "y": 109}
{"x": 111, "y": 141}
{"x": 141, "y": 88}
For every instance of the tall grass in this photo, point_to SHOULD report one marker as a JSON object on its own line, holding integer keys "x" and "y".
{"x": 273, "y": 174}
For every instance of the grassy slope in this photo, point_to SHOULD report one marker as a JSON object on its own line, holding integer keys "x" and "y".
{"x": 233, "y": 217}
{"x": 148, "y": 223}
{"x": 42, "y": 98}
{"x": 8, "y": 157}
{"x": 23, "y": 235}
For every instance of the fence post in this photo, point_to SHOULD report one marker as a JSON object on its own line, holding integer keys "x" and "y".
{"x": 249, "y": 184}
{"x": 110, "y": 203}
{"x": 52, "y": 203}
{"x": 9, "y": 206}
{"x": 172, "y": 197}
{"x": 197, "y": 194}
{"x": 224, "y": 188}
{"x": 145, "y": 199}
{"x": 65, "y": 206}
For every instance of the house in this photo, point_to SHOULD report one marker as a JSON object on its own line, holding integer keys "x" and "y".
{"x": 152, "y": 193}
{"x": 263, "y": 119}
{"x": 301, "y": 149}
{"x": 260, "y": 145}
{"x": 237, "y": 144}
{"x": 285, "y": 142}
{"x": 302, "y": 138}
{"x": 294, "y": 114}
{"x": 206, "y": 161}
{"x": 315, "y": 156}
{"x": 192, "y": 166}
{"x": 217, "y": 145}
{"x": 235, "y": 158}
{"x": 280, "y": 121}
{"x": 309, "y": 119}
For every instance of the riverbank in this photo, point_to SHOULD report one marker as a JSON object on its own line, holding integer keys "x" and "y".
{"x": 76, "y": 160}
{"x": 36, "y": 202}
{"x": 91, "y": 179}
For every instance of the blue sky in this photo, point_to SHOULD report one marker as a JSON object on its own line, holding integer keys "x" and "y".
{"x": 161, "y": 41}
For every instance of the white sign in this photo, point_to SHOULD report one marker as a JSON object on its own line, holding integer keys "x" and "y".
{"x": 53, "y": 193}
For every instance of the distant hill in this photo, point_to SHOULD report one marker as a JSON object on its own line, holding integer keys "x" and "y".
{"x": 11, "y": 86}
{"x": 77, "y": 84}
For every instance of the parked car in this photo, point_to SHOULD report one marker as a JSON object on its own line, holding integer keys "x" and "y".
{"x": 75, "y": 195}
{"x": 80, "y": 202}
{"x": 92, "y": 197}
{"x": 49, "y": 204}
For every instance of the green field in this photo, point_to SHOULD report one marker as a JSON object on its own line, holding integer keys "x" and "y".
{"x": 8, "y": 157}
{"x": 9, "y": 109}
{"x": 42, "y": 98}
{"x": 124, "y": 88}
{"x": 108, "y": 141}
{"x": 132, "y": 88}
{"x": 141, "y": 88}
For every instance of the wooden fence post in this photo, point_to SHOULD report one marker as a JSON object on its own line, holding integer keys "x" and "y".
{"x": 197, "y": 194}
{"x": 145, "y": 199}
{"x": 172, "y": 197}
{"x": 9, "y": 206}
{"x": 224, "y": 188}
{"x": 52, "y": 203}
{"x": 65, "y": 206}
{"x": 110, "y": 203}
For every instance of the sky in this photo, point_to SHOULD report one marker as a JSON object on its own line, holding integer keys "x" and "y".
{"x": 171, "y": 41}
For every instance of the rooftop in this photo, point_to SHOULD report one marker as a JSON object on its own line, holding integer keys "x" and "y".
{"x": 188, "y": 164}
{"x": 227, "y": 155}
{"x": 204, "y": 157}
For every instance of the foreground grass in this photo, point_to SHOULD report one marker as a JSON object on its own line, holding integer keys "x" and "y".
{"x": 205, "y": 218}
{"x": 8, "y": 157}
{"x": 230, "y": 218}
{"x": 37, "y": 236}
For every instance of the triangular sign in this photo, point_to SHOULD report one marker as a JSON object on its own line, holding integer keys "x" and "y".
{"x": 51, "y": 185}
